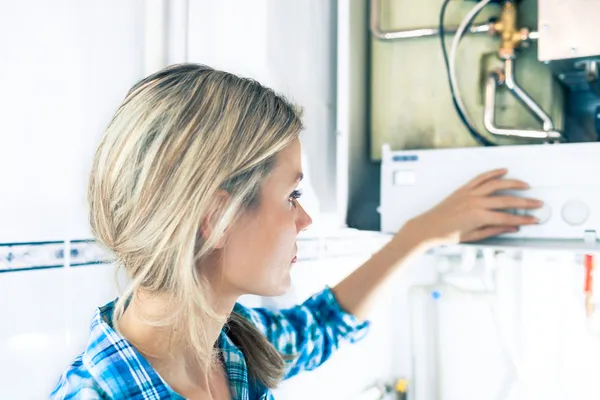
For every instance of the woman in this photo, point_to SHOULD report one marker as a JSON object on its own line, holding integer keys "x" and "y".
{"x": 194, "y": 189}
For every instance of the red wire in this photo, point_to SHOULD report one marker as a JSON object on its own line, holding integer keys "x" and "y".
{"x": 589, "y": 270}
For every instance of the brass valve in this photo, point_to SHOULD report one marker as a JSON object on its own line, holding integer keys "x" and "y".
{"x": 510, "y": 35}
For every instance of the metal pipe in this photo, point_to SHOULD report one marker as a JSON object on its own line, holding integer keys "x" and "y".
{"x": 402, "y": 34}
{"x": 489, "y": 119}
{"x": 530, "y": 103}
{"x": 412, "y": 33}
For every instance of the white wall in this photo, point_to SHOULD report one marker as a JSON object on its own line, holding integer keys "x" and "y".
{"x": 45, "y": 318}
{"x": 65, "y": 66}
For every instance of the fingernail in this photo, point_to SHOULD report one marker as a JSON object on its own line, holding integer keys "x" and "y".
{"x": 539, "y": 203}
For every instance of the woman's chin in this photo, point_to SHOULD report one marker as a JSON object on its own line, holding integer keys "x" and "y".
{"x": 280, "y": 289}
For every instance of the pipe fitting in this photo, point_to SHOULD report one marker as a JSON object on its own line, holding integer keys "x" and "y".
{"x": 511, "y": 36}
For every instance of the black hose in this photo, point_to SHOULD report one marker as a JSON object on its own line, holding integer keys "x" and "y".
{"x": 480, "y": 139}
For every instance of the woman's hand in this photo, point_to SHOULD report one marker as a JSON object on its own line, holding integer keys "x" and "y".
{"x": 474, "y": 212}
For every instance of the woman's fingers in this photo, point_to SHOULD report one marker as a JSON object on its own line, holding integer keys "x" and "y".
{"x": 489, "y": 220}
{"x": 490, "y": 182}
{"x": 485, "y": 177}
{"x": 509, "y": 202}
{"x": 498, "y": 218}
{"x": 476, "y": 210}
{"x": 496, "y": 185}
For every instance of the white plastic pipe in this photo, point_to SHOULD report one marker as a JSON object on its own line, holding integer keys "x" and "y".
{"x": 177, "y": 31}
{"x": 155, "y": 32}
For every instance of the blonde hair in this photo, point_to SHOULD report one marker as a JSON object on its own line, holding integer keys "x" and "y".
{"x": 180, "y": 136}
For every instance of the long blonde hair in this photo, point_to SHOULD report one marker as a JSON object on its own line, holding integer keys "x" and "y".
{"x": 180, "y": 136}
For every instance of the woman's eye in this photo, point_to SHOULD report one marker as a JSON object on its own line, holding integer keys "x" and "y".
{"x": 294, "y": 196}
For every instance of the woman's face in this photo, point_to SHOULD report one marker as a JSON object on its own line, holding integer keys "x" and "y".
{"x": 260, "y": 247}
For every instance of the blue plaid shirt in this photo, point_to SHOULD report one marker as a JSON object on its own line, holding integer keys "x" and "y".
{"x": 111, "y": 368}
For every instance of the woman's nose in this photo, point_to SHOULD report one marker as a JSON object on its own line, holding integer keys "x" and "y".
{"x": 304, "y": 220}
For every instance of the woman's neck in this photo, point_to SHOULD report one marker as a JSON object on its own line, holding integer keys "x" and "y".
{"x": 167, "y": 349}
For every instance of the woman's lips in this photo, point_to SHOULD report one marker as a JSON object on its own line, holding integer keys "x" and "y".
{"x": 294, "y": 259}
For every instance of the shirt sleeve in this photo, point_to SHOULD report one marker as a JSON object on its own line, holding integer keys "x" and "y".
{"x": 308, "y": 334}
{"x": 77, "y": 383}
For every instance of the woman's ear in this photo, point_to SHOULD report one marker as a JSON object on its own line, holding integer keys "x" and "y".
{"x": 213, "y": 220}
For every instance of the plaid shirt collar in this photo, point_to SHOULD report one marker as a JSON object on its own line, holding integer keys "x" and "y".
{"x": 122, "y": 372}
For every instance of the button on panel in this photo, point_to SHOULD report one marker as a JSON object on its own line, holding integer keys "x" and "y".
{"x": 575, "y": 212}
{"x": 543, "y": 213}
{"x": 404, "y": 177}
{"x": 517, "y": 211}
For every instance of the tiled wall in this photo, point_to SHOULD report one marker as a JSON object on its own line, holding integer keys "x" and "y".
{"x": 48, "y": 294}
{"x": 16, "y": 257}
{"x": 42, "y": 255}
{"x": 46, "y": 308}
